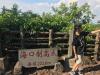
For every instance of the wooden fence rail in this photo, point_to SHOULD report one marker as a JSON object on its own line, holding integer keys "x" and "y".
{"x": 15, "y": 40}
{"x": 12, "y": 41}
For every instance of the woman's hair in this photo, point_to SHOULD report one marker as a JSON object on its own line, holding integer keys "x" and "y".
{"x": 77, "y": 28}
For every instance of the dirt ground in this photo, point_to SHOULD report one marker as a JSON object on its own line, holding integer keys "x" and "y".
{"x": 88, "y": 70}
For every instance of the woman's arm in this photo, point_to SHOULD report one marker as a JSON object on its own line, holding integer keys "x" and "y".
{"x": 94, "y": 32}
{"x": 85, "y": 33}
{"x": 74, "y": 50}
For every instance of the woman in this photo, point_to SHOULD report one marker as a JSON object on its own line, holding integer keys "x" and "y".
{"x": 79, "y": 47}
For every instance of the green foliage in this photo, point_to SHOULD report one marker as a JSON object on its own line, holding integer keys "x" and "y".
{"x": 63, "y": 18}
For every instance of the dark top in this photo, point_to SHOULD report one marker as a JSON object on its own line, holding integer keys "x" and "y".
{"x": 79, "y": 42}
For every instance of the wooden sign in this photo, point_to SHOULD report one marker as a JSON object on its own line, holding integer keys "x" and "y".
{"x": 38, "y": 57}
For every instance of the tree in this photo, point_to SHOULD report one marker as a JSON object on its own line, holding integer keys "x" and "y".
{"x": 74, "y": 14}
{"x": 62, "y": 19}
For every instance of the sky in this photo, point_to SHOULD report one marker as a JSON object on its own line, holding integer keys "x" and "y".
{"x": 40, "y": 6}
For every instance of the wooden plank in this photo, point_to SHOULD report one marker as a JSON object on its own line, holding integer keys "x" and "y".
{"x": 15, "y": 32}
{"x": 50, "y": 38}
{"x": 64, "y": 49}
{"x": 30, "y": 43}
{"x": 97, "y": 46}
{"x": 2, "y": 65}
{"x": 62, "y": 44}
{"x": 12, "y": 51}
{"x": 36, "y": 32}
{"x": 36, "y": 38}
{"x": 60, "y": 38}
{"x": 60, "y": 33}
{"x": 21, "y": 36}
{"x": 70, "y": 53}
{"x": 90, "y": 49}
{"x": 15, "y": 43}
{"x": 90, "y": 45}
{"x": 14, "y": 38}
{"x": 35, "y": 43}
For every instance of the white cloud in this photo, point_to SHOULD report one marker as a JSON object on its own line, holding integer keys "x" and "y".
{"x": 8, "y": 4}
{"x": 61, "y": 1}
{"x": 95, "y": 6}
{"x": 67, "y": 2}
{"x": 35, "y": 7}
